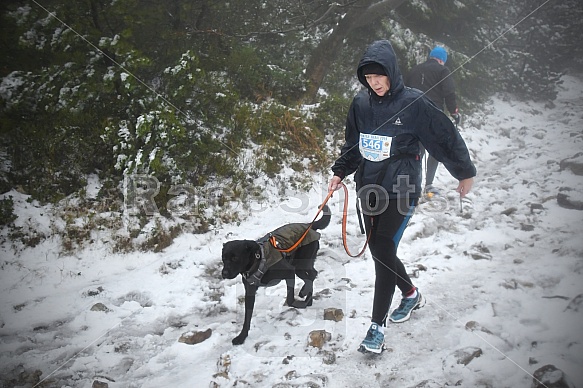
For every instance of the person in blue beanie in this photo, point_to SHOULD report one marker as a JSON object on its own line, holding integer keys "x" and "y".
{"x": 434, "y": 79}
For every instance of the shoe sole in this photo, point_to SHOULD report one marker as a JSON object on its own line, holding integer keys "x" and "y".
{"x": 364, "y": 349}
{"x": 406, "y": 317}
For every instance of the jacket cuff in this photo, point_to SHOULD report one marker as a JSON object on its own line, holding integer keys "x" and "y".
{"x": 469, "y": 173}
{"x": 339, "y": 174}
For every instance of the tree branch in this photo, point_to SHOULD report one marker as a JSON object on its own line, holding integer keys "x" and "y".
{"x": 375, "y": 11}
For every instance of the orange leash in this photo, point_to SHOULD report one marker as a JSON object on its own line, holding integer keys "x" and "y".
{"x": 344, "y": 217}
{"x": 273, "y": 241}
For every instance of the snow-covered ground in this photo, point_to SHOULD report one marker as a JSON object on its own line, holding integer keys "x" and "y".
{"x": 502, "y": 277}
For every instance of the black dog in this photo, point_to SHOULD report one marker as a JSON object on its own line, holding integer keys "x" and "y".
{"x": 261, "y": 264}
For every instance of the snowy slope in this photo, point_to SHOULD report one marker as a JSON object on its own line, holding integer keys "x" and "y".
{"x": 502, "y": 278}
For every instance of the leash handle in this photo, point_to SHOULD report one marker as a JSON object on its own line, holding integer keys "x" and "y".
{"x": 344, "y": 218}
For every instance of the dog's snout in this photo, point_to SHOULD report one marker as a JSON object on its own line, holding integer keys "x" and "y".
{"x": 226, "y": 274}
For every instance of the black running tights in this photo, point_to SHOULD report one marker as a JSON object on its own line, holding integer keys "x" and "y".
{"x": 387, "y": 230}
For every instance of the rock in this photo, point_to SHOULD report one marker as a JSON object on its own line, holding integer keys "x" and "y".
{"x": 223, "y": 366}
{"x": 575, "y": 303}
{"x": 509, "y": 211}
{"x": 536, "y": 208}
{"x": 328, "y": 358}
{"x": 99, "y": 384}
{"x": 428, "y": 384}
{"x": 414, "y": 273}
{"x": 466, "y": 355}
{"x": 333, "y": 314}
{"x": 96, "y": 292}
{"x": 318, "y": 338}
{"x": 549, "y": 376}
{"x": 479, "y": 252}
{"x": 570, "y": 199}
{"x": 510, "y": 284}
{"x": 325, "y": 293}
{"x": 294, "y": 378}
{"x": 122, "y": 367}
{"x": 143, "y": 298}
{"x": 100, "y": 307}
{"x": 196, "y": 337}
{"x": 259, "y": 345}
{"x": 20, "y": 377}
{"x": 457, "y": 365}
{"x": 287, "y": 359}
{"x": 575, "y": 164}
{"x": 473, "y": 325}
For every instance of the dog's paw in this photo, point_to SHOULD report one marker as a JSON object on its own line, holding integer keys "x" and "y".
{"x": 305, "y": 291}
{"x": 238, "y": 340}
{"x": 302, "y": 304}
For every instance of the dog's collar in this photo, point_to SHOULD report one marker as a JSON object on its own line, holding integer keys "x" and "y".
{"x": 261, "y": 264}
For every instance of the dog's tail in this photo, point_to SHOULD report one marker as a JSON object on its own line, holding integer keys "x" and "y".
{"x": 324, "y": 221}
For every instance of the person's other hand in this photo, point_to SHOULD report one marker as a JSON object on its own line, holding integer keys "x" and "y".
{"x": 334, "y": 183}
{"x": 465, "y": 186}
{"x": 457, "y": 118}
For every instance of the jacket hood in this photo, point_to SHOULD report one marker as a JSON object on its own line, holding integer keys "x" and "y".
{"x": 382, "y": 53}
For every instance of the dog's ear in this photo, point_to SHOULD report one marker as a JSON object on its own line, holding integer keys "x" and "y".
{"x": 251, "y": 247}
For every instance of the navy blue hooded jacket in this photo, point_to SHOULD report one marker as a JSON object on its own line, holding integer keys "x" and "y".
{"x": 434, "y": 79}
{"x": 404, "y": 118}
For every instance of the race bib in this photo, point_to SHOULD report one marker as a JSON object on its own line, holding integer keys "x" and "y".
{"x": 375, "y": 147}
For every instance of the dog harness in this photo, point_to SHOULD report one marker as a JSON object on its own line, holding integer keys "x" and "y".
{"x": 268, "y": 255}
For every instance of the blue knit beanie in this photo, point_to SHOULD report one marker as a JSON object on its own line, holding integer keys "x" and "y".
{"x": 439, "y": 53}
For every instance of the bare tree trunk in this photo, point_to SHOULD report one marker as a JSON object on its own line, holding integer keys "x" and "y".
{"x": 95, "y": 16}
{"x": 364, "y": 12}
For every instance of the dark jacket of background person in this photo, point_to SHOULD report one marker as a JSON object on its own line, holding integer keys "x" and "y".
{"x": 434, "y": 79}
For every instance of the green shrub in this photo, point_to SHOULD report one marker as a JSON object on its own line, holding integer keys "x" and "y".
{"x": 7, "y": 216}
{"x": 329, "y": 116}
